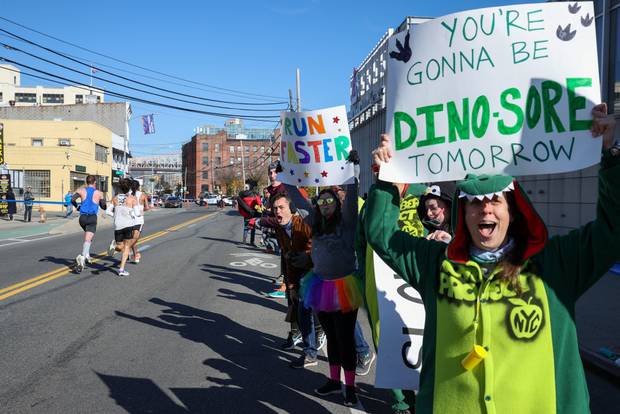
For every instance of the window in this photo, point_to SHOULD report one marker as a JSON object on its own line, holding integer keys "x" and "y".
{"x": 204, "y": 188}
{"x": 232, "y": 160}
{"x": 218, "y": 160}
{"x": 205, "y": 147}
{"x": 39, "y": 180}
{"x": 262, "y": 150}
{"x": 79, "y": 99}
{"x": 232, "y": 147}
{"x": 247, "y": 161}
{"x": 254, "y": 148}
{"x": 37, "y": 142}
{"x": 247, "y": 150}
{"x": 205, "y": 160}
{"x": 101, "y": 153}
{"x": 98, "y": 98}
{"x": 238, "y": 149}
{"x": 64, "y": 142}
{"x": 217, "y": 147}
{"x": 53, "y": 98}
{"x": 26, "y": 97}
{"x": 205, "y": 175}
{"x": 0, "y": 96}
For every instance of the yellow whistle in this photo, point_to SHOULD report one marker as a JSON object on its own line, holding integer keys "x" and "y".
{"x": 474, "y": 357}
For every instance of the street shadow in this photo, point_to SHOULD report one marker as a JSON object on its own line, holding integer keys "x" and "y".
{"x": 271, "y": 303}
{"x": 250, "y": 373}
{"x": 257, "y": 282}
{"x": 221, "y": 240}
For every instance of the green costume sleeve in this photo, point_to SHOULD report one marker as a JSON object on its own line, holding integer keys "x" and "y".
{"x": 574, "y": 262}
{"x": 415, "y": 259}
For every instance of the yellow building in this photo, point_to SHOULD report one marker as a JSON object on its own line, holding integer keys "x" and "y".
{"x": 54, "y": 157}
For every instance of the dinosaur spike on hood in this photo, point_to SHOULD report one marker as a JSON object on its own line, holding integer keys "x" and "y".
{"x": 487, "y": 186}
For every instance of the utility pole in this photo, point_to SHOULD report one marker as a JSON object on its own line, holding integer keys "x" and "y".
{"x": 185, "y": 183}
{"x": 298, "y": 89}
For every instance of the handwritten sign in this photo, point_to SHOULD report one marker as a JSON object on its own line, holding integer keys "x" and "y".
{"x": 496, "y": 90}
{"x": 315, "y": 147}
{"x": 402, "y": 329}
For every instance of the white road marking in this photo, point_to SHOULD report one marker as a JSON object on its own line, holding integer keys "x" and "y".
{"x": 143, "y": 248}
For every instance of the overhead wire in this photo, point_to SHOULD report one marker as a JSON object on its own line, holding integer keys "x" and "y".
{"x": 70, "y": 82}
{"x": 30, "y": 42}
{"x": 131, "y": 64}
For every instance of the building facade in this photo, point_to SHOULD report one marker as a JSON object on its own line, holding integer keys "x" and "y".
{"x": 217, "y": 163}
{"x": 234, "y": 128}
{"x": 114, "y": 116}
{"x": 54, "y": 157}
{"x": 12, "y": 93}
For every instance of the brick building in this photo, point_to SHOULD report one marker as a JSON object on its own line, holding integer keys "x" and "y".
{"x": 215, "y": 162}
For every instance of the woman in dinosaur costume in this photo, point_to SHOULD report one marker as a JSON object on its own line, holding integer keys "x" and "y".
{"x": 500, "y": 333}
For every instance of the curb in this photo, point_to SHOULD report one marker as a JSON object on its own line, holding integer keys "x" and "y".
{"x": 593, "y": 358}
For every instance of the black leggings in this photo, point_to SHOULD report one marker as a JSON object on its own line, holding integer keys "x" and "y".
{"x": 340, "y": 330}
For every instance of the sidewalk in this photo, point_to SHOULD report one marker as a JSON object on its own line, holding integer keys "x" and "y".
{"x": 19, "y": 228}
{"x": 598, "y": 322}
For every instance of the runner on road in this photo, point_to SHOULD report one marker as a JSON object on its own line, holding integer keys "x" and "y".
{"x": 91, "y": 200}
{"x": 125, "y": 209}
{"x": 143, "y": 205}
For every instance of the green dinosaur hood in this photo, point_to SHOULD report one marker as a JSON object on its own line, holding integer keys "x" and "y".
{"x": 531, "y": 227}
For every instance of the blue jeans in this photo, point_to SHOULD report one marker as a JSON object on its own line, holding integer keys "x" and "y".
{"x": 305, "y": 320}
{"x": 361, "y": 346}
{"x": 69, "y": 210}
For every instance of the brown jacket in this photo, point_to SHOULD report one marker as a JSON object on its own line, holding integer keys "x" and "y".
{"x": 300, "y": 241}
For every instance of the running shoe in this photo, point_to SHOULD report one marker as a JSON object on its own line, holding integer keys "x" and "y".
{"x": 321, "y": 340}
{"x": 350, "y": 396}
{"x": 123, "y": 272}
{"x": 136, "y": 258}
{"x": 277, "y": 294}
{"x": 112, "y": 248}
{"x": 89, "y": 259}
{"x": 79, "y": 263}
{"x": 364, "y": 362}
{"x": 330, "y": 387}
{"x": 292, "y": 341}
{"x": 304, "y": 361}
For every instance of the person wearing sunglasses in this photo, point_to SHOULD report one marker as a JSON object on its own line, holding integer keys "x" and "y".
{"x": 330, "y": 288}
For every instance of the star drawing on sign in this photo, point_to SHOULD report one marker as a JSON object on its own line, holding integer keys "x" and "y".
{"x": 306, "y": 174}
{"x": 336, "y": 119}
{"x": 299, "y": 180}
{"x": 316, "y": 180}
{"x": 292, "y": 172}
{"x": 323, "y": 173}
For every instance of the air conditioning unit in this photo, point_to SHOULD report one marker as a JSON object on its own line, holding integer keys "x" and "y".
{"x": 64, "y": 142}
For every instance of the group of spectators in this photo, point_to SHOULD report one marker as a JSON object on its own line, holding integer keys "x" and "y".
{"x": 28, "y": 199}
{"x": 499, "y": 294}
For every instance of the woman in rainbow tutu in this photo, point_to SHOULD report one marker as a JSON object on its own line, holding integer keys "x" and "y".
{"x": 331, "y": 289}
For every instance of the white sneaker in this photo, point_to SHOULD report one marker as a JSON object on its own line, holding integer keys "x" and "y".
{"x": 79, "y": 263}
{"x": 89, "y": 260}
{"x": 112, "y": 248}
{"x": 123, "y": 273}
{"x": 321, "y": 341}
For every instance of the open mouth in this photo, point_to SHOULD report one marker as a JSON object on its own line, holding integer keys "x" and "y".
{"x": 279, "y": 218}
{"x": 486, "y": 229}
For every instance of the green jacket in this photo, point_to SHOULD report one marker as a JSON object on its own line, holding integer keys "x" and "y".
{"x": 533, "y": 363}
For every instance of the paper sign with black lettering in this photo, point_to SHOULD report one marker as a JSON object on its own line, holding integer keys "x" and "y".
{"x": 402, "y": 314}
{"x": 315, "y": 146}
{"x": 503, "y": 90}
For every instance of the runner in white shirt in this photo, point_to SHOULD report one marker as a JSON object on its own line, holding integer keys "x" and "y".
{"x": 124, "y": 208}
{"x": 143, "y": 204}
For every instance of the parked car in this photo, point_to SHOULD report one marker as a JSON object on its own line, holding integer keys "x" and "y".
{"x": 173, "y": 202}
{"x": 228, "y": 200}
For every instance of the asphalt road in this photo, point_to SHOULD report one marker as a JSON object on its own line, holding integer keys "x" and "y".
{"x": 189, "y": 331}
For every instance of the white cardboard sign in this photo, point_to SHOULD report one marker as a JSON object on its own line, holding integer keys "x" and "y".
{"x": 315, "y": 146}
{"x": 503, "y": 90}
{"x": 402, "y": 315}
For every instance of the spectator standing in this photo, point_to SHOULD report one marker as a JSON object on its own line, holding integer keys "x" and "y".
{"x": 68, "y": 205}
{"x": 28, "y": 203}
{"x": 12, "y": 207}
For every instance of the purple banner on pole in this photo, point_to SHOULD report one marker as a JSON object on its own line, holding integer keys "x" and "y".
{"x": 148, "y": 124}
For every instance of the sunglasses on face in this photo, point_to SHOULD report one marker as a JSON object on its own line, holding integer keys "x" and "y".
{"x": 325, "y": 201}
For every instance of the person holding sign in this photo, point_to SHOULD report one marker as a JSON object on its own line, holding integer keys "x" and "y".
{"x": 331, "y": 288}
{"x": 500, "y": 334}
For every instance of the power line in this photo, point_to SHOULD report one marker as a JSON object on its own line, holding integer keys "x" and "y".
{"x": 119, "y": 76}
{"x": 133, "y": 65}
{"x": 258, "y": 118}
{"x": 12, "y": 48}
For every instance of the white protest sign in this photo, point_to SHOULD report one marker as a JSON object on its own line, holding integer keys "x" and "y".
{"x": 315, "y": 146}
{"x": 503, "y": 90}
{"x": 402, "y": 314}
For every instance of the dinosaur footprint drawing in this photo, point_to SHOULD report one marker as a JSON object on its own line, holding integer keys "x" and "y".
{"x": 404, "y": 53}
{"x": 587, "y": 20}
{"x": 574, "y": 9}
{"x": 565, "y": 34}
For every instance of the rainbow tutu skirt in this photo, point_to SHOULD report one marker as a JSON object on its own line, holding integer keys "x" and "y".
{"x": 343, "y": 294}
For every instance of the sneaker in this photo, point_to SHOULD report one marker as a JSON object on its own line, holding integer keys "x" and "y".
{"x": 112, "y": 248}
{"x": 79, "y": 263}
{"x": 292, "y": 341}
{"x": 136, "y": 258}
{"x": 89, "y": 260}
{"x": 304, "y": 361}
{"x": 321, "y": 340}
{"x": 330, "y": 387}
{"x": 364, "y": 362}
{"x": 123, "y": 272}
{"x": 277, "y": 294}
{"x": 350, "y": 396}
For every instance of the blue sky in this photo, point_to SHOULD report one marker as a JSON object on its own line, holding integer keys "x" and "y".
{"x": 249, "y": 46}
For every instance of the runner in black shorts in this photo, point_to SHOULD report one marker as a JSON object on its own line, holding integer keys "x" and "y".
{"x": 91, "y": 200}
{"x": 88, "y": 222}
